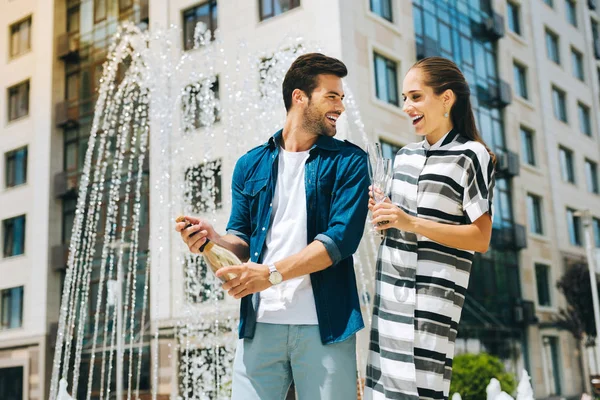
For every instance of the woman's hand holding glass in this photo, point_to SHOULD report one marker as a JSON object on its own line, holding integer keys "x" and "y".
{"x": 381, "y": 171}
{"x": 387, "y": 215}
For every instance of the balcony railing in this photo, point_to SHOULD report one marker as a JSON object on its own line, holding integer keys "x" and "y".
{"x": 66, "y": 182}
{"x": 67, "y": 47}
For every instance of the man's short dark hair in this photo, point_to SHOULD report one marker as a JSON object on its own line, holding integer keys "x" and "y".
{"x": 304, "y": 72}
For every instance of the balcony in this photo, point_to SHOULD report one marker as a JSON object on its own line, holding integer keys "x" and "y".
{"x": 67, "y": 47}
{"x": 59, "y": 257}
{"x": 489, "y": 28}
{"x": 508, "y": 164}
{"x": 498, "y": 95}
{"x": 66, "y": 114}
{"x": 524, "y": 313}
{"x": 66, "y": 182}
{"x": 509, "y": 238}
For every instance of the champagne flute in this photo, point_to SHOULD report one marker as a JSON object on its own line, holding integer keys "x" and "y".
{"x": 374, "y": 157}
{"x": 382, "y": 182}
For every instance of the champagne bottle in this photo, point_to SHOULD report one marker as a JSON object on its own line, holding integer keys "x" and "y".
{"x": 215, "y": 256}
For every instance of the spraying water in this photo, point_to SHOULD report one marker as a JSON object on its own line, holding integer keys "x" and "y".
{"x": 170, "y": 124}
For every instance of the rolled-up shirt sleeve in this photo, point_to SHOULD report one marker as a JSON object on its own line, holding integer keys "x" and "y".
{"x": 348, "y": 210}
{"x": 478, "y": 186}
{"x": 239, "y": 220}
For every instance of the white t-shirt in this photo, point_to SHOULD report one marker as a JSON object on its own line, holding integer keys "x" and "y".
{"x": 290, "y": 302}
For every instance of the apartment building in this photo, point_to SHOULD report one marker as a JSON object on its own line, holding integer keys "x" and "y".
{"x": 534, "y": 70}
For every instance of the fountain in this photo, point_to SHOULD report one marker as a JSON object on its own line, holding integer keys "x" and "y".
{"x": 185, "y": 117}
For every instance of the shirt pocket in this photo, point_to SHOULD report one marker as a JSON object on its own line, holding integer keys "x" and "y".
{"x": 255, "y": 191}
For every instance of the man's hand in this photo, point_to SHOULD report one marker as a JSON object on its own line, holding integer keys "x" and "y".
{"x": 195, "y": 236}
{"x": 251, "y": 278}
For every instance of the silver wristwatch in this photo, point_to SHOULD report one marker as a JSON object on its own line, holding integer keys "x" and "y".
{"x": 274, "y": 275}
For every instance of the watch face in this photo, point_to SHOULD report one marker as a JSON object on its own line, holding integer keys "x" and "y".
{"x": 275, "y": 277}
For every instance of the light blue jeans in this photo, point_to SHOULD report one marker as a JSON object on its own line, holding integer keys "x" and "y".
{"x": 265, "y": 366}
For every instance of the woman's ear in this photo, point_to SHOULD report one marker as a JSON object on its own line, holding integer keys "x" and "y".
{"x": 448, "y": 97}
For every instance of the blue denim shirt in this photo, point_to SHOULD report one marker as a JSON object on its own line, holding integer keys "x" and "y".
{"x": 336, "y": 181}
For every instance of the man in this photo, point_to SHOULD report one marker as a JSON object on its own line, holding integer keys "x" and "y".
{"x": 299, "y": 204}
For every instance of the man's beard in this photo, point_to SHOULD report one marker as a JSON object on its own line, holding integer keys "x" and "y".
{"x": 314, "y": 121}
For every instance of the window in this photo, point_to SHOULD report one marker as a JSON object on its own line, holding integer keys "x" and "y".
{"x": 389, "y": 150}
{"x": 552, "y": 350}
{"x": 199, "y": 287}
{"x": 577, "y": 64}
{"x": 585, "y": 126}
{"x": 203, "y": 187}
{"x": 550, "y": 3}
{"x": 11, "y": 308}
{"x": 383, "y": 8}
{"x": 596, "y": 228}
{"x": 542, "y": 278}
{"x": 566, "y": 165}
{"x": 100, "y": 7}
{"x": 552, "y": 47}
{"x": 69, "y": 205}
{"x": 74, "y": 147}
{"x": 73, "y": 19}
{"x": 534, "y": 214}
{"x": 11, "y": 383}
{"x": 559, "y": 103}
{"x": 200, "y": 105}
{"x": 16, "y": 167}
{"x": 591, "y": 176}
{"x": 72, "y": 86}
{"x": 20, "y": 37}
{"x": 571, "y": 10}
{"x": 520, "y": 73}
{"x": 574, "y": 227}
{"x": 386, "y": 79}
{"x": 18, "y": 101}
{"x": 596, "y": 38}
{"x": 205, "y": 13}
{"x": 13, "y": 230}
{"x": 528, "y": 146}
{"x": 514, "y": 17}
{"x": 271, "y": 8}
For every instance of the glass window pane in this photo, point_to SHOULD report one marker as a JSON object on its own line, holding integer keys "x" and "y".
{"x": 543, "y": 284}
{"x": 596, "y": 228}
{"x": 266, "y": 8}
{"x": 73, "y": 19}
{"x": 571, "y": 10}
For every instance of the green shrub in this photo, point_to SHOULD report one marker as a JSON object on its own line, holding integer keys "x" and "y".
{"x": 471, "y": 373}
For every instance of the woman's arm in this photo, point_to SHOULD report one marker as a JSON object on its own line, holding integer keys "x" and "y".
{"x": 474, "y": 237}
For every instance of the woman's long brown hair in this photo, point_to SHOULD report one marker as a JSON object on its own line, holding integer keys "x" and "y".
{"x": 442, "y": 74}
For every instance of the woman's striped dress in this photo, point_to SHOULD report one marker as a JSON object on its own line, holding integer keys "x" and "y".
{"x": 421, "y": 284}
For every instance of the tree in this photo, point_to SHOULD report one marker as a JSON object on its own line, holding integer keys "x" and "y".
{"x": 471, "y": 373}
{"x": 578, "y": 317}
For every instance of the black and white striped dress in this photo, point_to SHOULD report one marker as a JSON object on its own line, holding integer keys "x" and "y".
{"x": 421, "y": 284}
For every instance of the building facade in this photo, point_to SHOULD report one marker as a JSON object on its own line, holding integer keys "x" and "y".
{"x": 533, "y": 67}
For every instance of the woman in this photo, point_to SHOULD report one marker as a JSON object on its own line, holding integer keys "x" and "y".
{"x": 439, "y": 215}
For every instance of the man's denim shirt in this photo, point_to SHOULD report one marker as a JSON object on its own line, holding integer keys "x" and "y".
{"x": 336, "y": 180}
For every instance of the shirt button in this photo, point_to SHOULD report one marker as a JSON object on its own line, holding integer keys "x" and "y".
{"x": 255, "y": 254}
{"x": 263, "y": 228}
{"x": 271, "y": 205}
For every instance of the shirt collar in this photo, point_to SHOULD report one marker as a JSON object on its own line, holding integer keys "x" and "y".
{"x": 323, "y": 142}
{"x": 443, "y": 141}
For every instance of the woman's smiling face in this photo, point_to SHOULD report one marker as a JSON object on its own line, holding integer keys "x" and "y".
{"x": 423, "y": 106}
